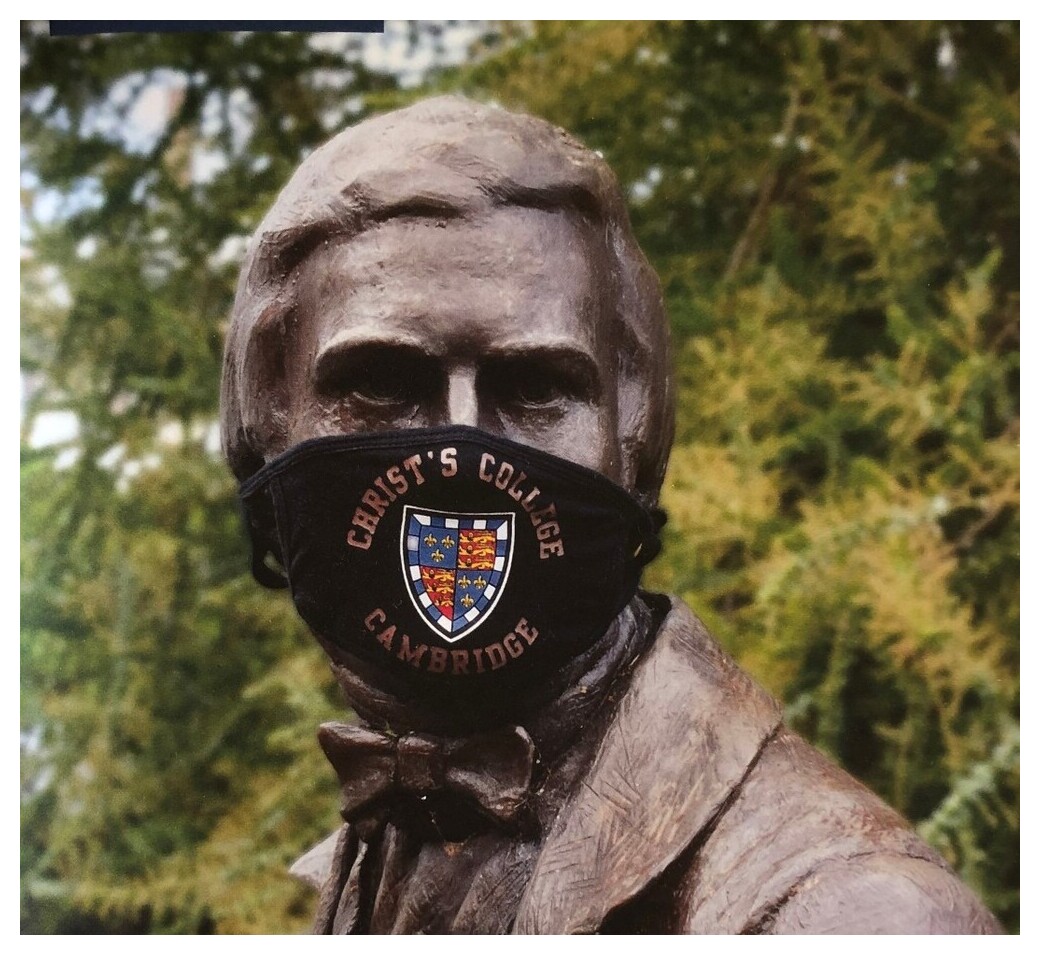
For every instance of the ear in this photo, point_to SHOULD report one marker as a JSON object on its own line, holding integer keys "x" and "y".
{"x": 646, "y": 406}
{"x": 262, "y": 386}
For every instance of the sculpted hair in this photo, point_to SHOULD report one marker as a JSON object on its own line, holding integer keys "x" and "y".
{"x": 446, "y": 158}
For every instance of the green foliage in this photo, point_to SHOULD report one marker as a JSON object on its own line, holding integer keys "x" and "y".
{"x": 833, "y": 210}
{"x": 158, "y": 674}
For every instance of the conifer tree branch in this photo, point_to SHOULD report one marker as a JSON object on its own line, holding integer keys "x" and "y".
{"x": 939, "y": 122}
{"x": 744, "y": 249}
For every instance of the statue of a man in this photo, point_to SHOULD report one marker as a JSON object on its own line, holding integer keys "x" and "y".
{"x": 448, "y": 399}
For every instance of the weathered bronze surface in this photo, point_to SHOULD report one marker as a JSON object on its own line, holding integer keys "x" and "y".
{"x": 452, "y": 263}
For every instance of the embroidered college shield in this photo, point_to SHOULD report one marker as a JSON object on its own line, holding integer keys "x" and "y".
{"x": 455, "y": 566}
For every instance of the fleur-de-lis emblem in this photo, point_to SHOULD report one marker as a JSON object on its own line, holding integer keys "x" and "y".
{"x": 480, "y": 583}
{"x": 447, "y": 543}
{"x": 437, "y": 556}
{"x": 464, "y": 581}
{"x": 467, "y": 601}
{"x": 429, "y": 540}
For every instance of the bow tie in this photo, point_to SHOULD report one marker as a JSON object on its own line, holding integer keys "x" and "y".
{"x": 492, "y": 770}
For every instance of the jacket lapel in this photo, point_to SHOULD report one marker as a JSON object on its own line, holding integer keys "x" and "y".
{"x": 683, "y": 738}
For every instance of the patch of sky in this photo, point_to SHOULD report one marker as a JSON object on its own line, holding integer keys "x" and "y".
{"x": 86, "y": 248}
{"x": 59, "y": 119}
{"x": 343, "y": 113}
{"x": 331, "y": 42}
{"x": 170, "y": 434}
{"x": 134, "y": 468}
{"x": 137, "y": 109}
{"x": 232, "y": 114}
{"x": 207, "y": 164}
{"x": 54, "y": 287}
{"x": 333, "y": 118}
{"x": 211, "y": 438}
{"x": 241, "y": 119}
{"x": 211, "y": 118}
{"x": 32, "y": 740}
{"x": 27, "y": 177}
{"x": 53, "y": 427}
{"x": 122, "y": 402}
{"x": 31, "y": 382}
{"x": 398, "y": 49}
{"x": 649, "y": 57}
{"x": 110, "y": 459}
{"x": 66, "y": 458}
{"x": 231, "y": 251}
{"x": 946, "y": 54}
{"x": 643, "y": 189}
{"x": 140, "y": 189}
{"x": 159, "y": 268}
{"x": 326, "y": 79}
{"x": 54, "y": 205}
{"x": 39, "y": 101}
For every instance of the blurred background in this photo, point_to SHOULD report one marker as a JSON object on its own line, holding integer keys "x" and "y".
{"x": 833, "y": 211}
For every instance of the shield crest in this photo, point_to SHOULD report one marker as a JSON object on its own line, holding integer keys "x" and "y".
{"x": 455, "y": 566}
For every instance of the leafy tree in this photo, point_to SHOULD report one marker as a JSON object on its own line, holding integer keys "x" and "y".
{"x": 833, "y": 210}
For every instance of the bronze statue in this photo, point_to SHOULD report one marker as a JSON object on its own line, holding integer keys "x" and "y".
{"x": 447, "y": 394}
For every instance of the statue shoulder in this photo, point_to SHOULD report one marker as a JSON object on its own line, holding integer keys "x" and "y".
{"x": 796, "y": 844}
{"x": 806, "y": 848}
{"x": 887, "y": 894}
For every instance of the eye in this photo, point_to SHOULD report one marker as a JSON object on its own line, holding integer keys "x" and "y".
{"x": 385, "y": 376}
{"x": 537, "y": 382}
{"x": 380, "y": 382}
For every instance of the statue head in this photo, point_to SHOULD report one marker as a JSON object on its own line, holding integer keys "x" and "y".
{"x": 452, "y": 263}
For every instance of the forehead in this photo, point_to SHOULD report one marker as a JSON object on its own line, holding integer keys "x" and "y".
{"x": 459, "y": 284}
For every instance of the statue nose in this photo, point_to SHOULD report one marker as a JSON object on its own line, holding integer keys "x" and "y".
{"x": 462, "y": 407}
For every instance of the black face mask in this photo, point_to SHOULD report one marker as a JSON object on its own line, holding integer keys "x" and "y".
{"x": 448, "y": 557}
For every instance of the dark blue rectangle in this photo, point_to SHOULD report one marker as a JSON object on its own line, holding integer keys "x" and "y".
{"x": 89, "y": 27}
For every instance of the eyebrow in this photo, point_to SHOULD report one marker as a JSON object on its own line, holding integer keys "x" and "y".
{"x": 562, "y": 353}
{"x": 347, "y": 344}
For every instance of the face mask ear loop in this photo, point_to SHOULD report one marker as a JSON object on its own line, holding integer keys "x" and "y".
{"x": 263, "y": 573}
{"x": 649, "y": 543}
{"x": 266, "y": 576}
